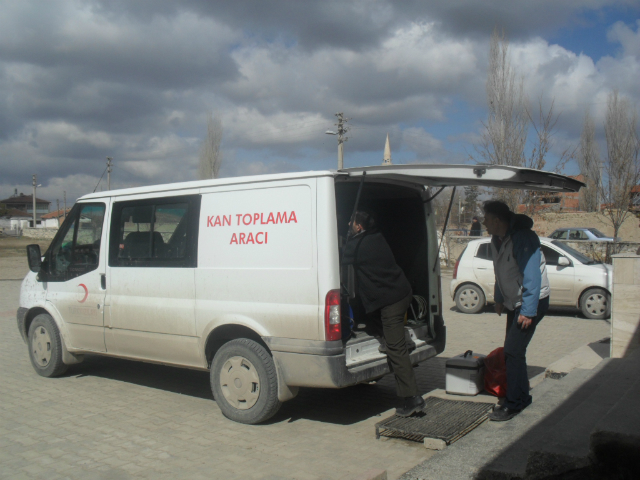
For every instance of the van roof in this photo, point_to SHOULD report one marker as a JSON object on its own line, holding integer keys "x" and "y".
{"x": 168, "y": 187}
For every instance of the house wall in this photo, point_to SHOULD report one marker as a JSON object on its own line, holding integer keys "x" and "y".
{"x": 44, "y": 233}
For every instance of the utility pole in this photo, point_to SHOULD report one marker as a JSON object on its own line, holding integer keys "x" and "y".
{"x": 35, "y": 185}
{"x": 65, "y": 204}
{"x": 34, "y": 200}
{"x": 342, "y": 130}
{"x": 109, "y": 173}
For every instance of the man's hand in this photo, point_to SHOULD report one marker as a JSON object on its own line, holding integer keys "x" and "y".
{"x": 499, "y": 308}
{"x": 524, "y": 322}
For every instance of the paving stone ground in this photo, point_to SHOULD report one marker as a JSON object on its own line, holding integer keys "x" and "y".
{"x": 116, "y": 419}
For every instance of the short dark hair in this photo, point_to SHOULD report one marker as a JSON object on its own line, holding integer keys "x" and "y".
{"x": 474, "y": 218}
{"x": 498, "y": 209}
{"x": 365, "y": 219}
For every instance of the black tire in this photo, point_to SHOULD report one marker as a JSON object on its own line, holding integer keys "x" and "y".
{"x": 244, "y": 381}
{"x": 595, "y": 304}
{"x": 45, "y": 347}
{"x": 470, "y": 298}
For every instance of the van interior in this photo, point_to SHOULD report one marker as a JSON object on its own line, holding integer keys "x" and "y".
{"x": 399, "y": 213}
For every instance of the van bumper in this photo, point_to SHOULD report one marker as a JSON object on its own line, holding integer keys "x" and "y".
{"x": 330, "y": 371}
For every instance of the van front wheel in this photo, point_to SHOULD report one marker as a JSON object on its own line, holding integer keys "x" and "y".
{"x": 244, "y": 381}
{"x": 45, "y": 347}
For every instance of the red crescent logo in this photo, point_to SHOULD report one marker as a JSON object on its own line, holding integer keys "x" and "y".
{"x": 86, "y": 293}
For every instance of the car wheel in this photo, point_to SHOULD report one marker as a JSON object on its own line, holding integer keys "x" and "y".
{"x": 45, "y": 347}
{"x": 244, "y": 381}
{"x": 470, "y": 299}
{"x": 596, "y": 304}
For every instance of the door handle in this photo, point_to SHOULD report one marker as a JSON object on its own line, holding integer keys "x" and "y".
{"x": 103, "y": 281}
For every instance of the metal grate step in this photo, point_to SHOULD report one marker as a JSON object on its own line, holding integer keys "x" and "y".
{"x": 440, "y": 418}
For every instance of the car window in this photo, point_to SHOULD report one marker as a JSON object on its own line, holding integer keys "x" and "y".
{"x": 573, "y": 252}
{"x": 76, "y": 249}
{"x": 484, "y": 252}
{"x": 597, "y": 233}
{"x": 559, "y": 234}
{"x": 582, "y": 235}
{"x": 550, "y": 255}
{"x": 155, "y": 232}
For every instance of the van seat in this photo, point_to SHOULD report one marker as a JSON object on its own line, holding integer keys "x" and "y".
{"x": 136, "y": 245}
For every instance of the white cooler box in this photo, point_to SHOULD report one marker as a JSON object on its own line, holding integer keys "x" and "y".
{"x": 465, "y": 373}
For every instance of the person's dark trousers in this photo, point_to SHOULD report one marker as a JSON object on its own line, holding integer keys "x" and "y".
{"x": 515, "y": 351}
{"x": 392, "y": 318}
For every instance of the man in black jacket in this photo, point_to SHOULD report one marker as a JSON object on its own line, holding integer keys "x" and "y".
{"x": 384, "y": 290}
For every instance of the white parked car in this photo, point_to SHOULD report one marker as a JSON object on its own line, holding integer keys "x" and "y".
{"x": 575, "y": 279}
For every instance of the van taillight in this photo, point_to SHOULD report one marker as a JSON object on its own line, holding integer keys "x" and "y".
{"x": 455, "y": 269}
{"x": 332, "y": 323}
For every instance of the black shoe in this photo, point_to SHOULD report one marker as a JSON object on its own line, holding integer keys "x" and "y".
{"x": 503, "y": 414}
{"x": 382, "y": 348}
{"x": 499, "y": 405}
{"x": 410, "y": 406}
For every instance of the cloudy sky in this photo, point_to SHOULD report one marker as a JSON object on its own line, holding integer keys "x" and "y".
{"x": 135, "y": 80}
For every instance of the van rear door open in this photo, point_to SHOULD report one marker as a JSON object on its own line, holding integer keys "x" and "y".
{"x": 467, "y": 175}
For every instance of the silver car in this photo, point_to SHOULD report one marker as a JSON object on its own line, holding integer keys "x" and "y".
{"x": 592, "y": 234}
{"x": 575, "y": 279}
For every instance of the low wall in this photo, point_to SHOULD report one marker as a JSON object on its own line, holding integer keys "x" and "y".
{"x": 625, "y": 318}
{"x": 598, "y": 251}
{"x": 41, "y": 233}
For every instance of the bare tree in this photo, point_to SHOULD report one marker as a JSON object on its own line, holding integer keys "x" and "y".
{"x": 210, "y": 154}
{"x": 622, "y": 165}
{"x": 590, "y": 165}
{"x": 505, "y": 131}
{"x": 544, "y": 128}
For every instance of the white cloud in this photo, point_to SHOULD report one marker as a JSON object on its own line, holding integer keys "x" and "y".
{"x": 422, "y": 143}
{"x": 80, "y": 80}
{"x": 49, "y": 133}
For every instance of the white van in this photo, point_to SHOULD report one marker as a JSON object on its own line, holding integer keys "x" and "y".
{"x": 241, "y": 276}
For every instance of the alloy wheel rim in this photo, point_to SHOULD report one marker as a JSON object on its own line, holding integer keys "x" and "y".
{"x": 41, "y": 346}
{"x": 240, "y": 383}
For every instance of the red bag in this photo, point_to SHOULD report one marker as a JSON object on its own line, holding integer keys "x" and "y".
{"x": 495, "y": 373}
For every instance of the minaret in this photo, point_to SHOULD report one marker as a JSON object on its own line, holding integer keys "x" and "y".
{"x": 386, "y": 160}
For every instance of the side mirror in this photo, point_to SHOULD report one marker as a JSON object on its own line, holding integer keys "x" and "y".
{"x": 564, "y": 262}
{"x": 34, "y": 257}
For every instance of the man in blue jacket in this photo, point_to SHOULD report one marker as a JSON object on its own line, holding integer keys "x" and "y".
{"x": 522, "y": 290}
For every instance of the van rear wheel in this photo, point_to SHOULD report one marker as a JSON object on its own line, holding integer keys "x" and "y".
{"x": 45, "y": 347}
{"x": 470, "y": 299}
{"x": 244, "y": 381}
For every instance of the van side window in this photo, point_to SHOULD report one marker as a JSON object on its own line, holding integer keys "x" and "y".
{"x": 76, "y": 248}
{"x": 484, "y": 251}
{"x": 154, "y": 233}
